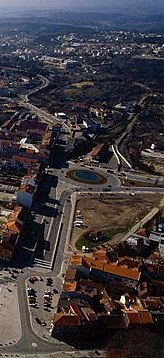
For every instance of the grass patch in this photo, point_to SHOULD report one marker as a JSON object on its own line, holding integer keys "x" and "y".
{"x": 112, "y": 232}
{"x": 87, "y": 241}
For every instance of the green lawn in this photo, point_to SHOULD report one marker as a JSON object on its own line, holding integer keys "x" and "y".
{"x": 87, "y": 241}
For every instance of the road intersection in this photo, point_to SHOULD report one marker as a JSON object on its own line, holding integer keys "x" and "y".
{"x": 57, "y": 211}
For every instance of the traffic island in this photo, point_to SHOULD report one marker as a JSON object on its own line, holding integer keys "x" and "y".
{"x": 86, "y": 177}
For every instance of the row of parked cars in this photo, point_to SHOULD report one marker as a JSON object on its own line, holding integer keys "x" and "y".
{"x": 32, "y": 293}
{"x": 33, "y": 279}
{"x": 78, "y": 222}
{"x": 32, "y": 297}
{"x": 47, "y": 299}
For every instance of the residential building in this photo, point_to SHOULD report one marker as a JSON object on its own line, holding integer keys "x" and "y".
{"x": 26, "y": 192}
{"x": 122, "y": 273}
{"x": 71, "y": 314}
{"x": 97, "y": 153}
{"x": 90, "y": 124}
{"x": 11, "y": 227}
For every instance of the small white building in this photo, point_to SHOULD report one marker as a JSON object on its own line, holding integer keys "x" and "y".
{"x": 61, "y": 115}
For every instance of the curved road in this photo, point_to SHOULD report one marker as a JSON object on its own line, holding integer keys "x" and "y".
{"x": 30, "y": 342}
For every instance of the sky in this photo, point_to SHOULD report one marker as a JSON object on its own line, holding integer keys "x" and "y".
{"x": 112, "y": 5}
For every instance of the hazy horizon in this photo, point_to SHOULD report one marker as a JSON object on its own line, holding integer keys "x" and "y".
{"x": 91, "y": 5}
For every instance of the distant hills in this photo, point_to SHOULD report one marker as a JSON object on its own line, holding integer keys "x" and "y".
{"x": 113, "y": 21}
{"x": 124, "y": 7}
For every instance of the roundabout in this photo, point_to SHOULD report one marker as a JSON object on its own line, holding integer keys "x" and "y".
{"x": 86, "y": 176}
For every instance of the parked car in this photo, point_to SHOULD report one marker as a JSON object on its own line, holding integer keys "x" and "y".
{"x": 16, "y": 271}
{"x": 31, "y": 292}
{"x": 13, "y": 276}
{"x": 34, "y": 279}
{"x": 50, "y": 293}
{"x": 47, "y": 304}
{"x": 55, "y": 291}
{"x": 32, "y": 301}
{"x": 49, "y": 281}
{"x": 38, "y": 320}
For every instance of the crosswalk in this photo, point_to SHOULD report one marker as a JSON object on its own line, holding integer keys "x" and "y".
{"x": 43, "y": 263}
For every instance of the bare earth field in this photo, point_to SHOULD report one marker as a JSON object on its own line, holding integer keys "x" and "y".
{"x": 114, "y": 211}
{"x": 82, "y": 84}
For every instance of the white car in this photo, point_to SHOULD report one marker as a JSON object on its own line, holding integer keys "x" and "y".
{"x": 79, "y": 222}
{"x": 78, "y": 225}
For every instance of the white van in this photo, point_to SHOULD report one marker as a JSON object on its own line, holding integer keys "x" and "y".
{"x": 78, "y": 225}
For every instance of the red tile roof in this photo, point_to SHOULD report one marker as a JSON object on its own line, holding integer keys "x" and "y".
{"x": 66, "y": 319}
{"x": 113, "y": 268}
{"x": 139, "y": 317}
{"x": 69, "y": 286}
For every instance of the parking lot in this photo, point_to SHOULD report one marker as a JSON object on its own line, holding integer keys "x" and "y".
{"x": 42, "y": 302}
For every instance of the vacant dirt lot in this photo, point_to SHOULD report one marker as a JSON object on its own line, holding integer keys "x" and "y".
{"x": 82, "y": 84}
{"x": 113, "y": 211}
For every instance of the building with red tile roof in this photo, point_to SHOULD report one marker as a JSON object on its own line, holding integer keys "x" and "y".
{"x": 138, "y": 316}
{"x": 10, "y": 232}
{"x": 122, "y": 273}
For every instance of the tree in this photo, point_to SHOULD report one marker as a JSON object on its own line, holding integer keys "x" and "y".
{"x": 134, "y": 343}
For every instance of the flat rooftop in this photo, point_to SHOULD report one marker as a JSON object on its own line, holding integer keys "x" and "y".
{"x": 6, "y": 197}
{"x": 8, "y": 188}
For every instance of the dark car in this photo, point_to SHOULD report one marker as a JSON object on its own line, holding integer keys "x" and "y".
{"x": 16, "y": 271}
{"x": 38, "y": 320}
{"x": 47, "y": 304}
{"x": 31, "y": 292}
{"x": 13, "y": 276}
{"x": 55, "y": 291}
{"x": 49, "y": 281}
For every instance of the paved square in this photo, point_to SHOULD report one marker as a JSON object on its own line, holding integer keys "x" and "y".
{"x": 10, "y": 326}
